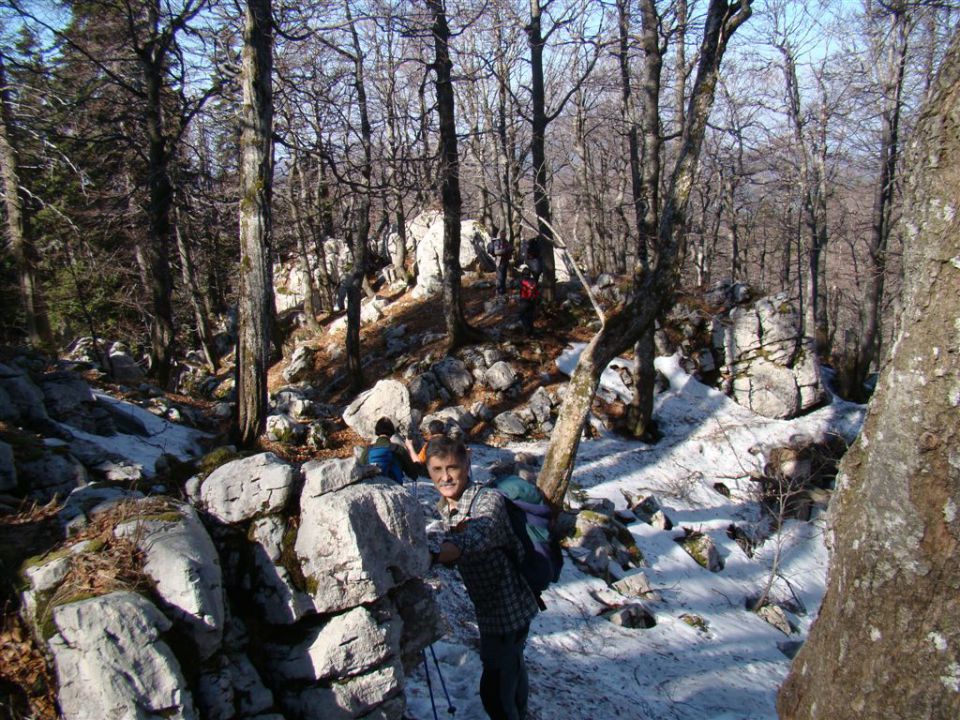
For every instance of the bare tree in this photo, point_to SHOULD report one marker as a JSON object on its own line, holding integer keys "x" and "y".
{"x": 628, "y": 324}
{"x": 256, "y": 188}
{"x": 459, "y": 331}
{"x": 18, "y": 225}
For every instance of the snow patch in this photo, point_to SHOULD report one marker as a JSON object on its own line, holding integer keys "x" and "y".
{"x": 952, "y": 680}
{"x": 938, "y": 640}
{"x": 950, "y": 510}
{"x": 875, "y": 634}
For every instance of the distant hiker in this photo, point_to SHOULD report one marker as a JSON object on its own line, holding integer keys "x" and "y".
{"x": 529, "y": 292}
{"x": 343, "y": 287}
{"x": 532, "y": 256}
{"x": 502, "y": 250}
{"x": 482, "y": 544}
{"x": 435, "y": 429}
{"x": 392, "y": 459}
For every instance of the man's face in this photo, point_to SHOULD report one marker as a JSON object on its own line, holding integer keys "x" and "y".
{"x": 449, "y": 475}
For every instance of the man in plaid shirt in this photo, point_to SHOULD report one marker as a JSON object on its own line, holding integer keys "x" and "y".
{"x": 482, "y": 544}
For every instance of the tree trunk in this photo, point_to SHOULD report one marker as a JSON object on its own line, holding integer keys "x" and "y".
{"x": 869, "y": 346}
{"x": 18, "y": 227}
{"x": 886, "y": 643}
{"x": 300, "y": 228}
{"x": 538, "y": 127}
{"x": 256, "y": 185}
{"x": 459, "y": 332}
{"x": 153, "y": 253}
{"x": 626, "y": 326}
{"x": 188, "y": 273}
{"x": 361, "y": 217}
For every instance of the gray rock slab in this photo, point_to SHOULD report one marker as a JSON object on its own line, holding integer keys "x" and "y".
{"x": 111, "y": 661}
{"x": 359, "y": 542}
{"x": 185, "y": 568}
{"x": 243, "y": 489}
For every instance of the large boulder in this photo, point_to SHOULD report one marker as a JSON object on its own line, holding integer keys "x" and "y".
{"x": 112, "y": 661}
{"x": 244, "y": 489}
{"x": 182, "y": 562}
{"x": 427, "y": 233}
{"x": 768, "y": 364}
{"x": 388, "y": 398}
{"x": 356, "y": 544}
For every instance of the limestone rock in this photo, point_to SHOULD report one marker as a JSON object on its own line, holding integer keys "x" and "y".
{"x": 300, "y": 365}
{"x": 510, "y": 423}
{"x": 272, "y": 587}
{"x": 453, "y": 376}
{"x": 242, "y": 489}
{"x": 185, "y": 568}
{"x": 112, "y": 662}
{"x": 388, "y": 398}
{"x": 347, "y": 645}
{"x": 500, "y": 376}
{"x": 26, "y": 399}
{"x": 282, "y": 428}
{"x": 358, "y": 543}
{"x": 351, "y": 698}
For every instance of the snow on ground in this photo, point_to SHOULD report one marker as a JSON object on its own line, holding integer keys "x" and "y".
{"x": 584, "y": 667}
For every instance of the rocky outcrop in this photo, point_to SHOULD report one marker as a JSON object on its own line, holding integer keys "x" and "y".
{"x": 426, "y": 232}
{"x": 768, "y": 365}
{"x": 345, "y": 566}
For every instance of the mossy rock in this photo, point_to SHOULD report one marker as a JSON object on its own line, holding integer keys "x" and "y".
{"x": 216, "y": 458}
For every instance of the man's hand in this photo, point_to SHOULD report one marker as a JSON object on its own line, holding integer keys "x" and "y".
{"x": 449, "y": 553}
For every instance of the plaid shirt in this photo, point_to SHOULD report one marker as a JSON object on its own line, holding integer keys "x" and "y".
{"x": 479, "y": 526}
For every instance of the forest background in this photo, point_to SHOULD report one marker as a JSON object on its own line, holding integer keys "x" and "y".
{"x": 122, "y": 125}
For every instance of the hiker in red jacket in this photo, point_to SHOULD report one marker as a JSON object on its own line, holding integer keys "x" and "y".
{"x": 529, "y": 294}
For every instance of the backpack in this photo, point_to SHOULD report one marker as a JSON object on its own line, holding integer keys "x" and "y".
{"x": 530, "y": 520}
{"x": 382, "y": 456}
{"x": 528, "y": 289}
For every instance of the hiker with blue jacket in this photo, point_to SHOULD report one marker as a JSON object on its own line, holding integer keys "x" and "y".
{"x": 482, "y": 544}
{"x": 392, "y": 459}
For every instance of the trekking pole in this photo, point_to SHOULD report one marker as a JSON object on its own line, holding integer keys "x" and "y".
{"x": 426, "y": 671}
{"x": 451, "y": 709}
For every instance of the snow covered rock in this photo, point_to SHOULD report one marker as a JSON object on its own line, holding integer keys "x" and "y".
{"x": 123, "y": 368}
{"x": 243, "y": 489}
{"x": 112, "y": 661}
{"x": 357, "y": 543}
{"x": 185, "y": 568}
{"x": 388, "y": 398}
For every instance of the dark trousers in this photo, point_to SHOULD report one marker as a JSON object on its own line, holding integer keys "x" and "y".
{"x": 502, "y": 267}
{"x": 503, "y": 684}
{"x": 528, "y": 310}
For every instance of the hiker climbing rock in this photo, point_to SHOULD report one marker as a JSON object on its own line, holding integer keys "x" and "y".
{"x": 393, "y": 460}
